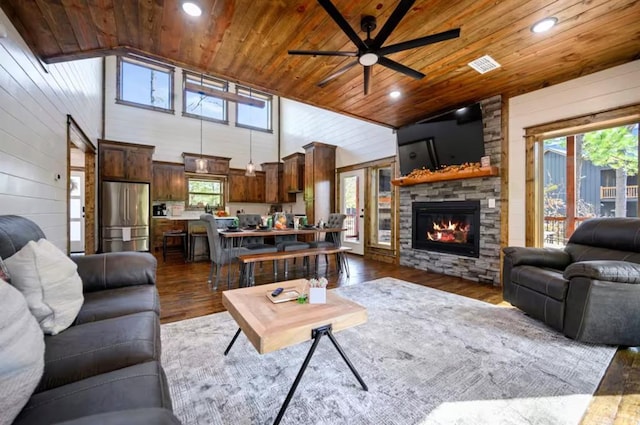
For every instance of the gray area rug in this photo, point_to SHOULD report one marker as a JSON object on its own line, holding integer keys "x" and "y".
{"x": 428, "y": 357}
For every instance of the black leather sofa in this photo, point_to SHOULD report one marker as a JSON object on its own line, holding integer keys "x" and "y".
{"x": 590, "y": 290}
{"x": 105, "y": 368}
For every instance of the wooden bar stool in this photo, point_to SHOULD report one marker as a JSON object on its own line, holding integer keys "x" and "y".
{"x": 174, "y": 234}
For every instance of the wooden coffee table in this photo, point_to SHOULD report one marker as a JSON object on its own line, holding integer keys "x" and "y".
{"x": 271, "y": 327}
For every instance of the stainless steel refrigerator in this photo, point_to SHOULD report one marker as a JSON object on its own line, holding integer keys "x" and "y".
{"x": 125, "y": 217}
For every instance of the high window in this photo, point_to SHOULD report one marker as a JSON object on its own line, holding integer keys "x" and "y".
{"x": 251, "y": 116}
{"x": 145, "y": 84}
{"x": 204, "y": 192}
{"x": 200, "y": 100}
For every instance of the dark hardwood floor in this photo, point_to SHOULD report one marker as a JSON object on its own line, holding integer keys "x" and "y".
{"x": 184, "y": 293}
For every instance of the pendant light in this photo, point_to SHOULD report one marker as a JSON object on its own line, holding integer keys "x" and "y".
{"x": 251, "y": 169}
{"x": 201, "y": 163}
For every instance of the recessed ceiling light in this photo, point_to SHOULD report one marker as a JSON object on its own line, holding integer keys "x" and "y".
{"x": 395, "y": 94}
{"x": 544, "y": 25}
{"x": 191, "y": 9}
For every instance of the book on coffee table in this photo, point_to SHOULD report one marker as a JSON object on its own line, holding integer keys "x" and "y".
{"x": 288, "y": 294}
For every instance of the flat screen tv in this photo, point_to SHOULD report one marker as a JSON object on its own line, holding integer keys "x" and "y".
{"x": 452, "y": 138}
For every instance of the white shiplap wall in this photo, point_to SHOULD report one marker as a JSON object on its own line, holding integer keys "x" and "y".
{"x": 358, "y": 141}
{"x": 173, "y": 134}
{"x": 34, "y": 105}
{"x": 608, "y": 89}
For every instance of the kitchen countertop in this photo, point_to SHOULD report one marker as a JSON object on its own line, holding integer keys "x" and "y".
{"x": 190, "y": 215}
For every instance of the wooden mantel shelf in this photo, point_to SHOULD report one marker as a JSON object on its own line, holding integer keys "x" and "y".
{"x": 450, "y": 175}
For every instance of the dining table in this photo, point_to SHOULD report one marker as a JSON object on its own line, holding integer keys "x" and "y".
{"x": 232, "y": 238}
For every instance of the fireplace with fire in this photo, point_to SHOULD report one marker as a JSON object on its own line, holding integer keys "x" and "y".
{"x": 449, "y": 226}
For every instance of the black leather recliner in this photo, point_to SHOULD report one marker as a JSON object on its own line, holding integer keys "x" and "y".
{"x": 590, "y": 290}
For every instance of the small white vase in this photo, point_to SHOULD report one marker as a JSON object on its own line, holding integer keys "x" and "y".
{"x": 317, "y": 295}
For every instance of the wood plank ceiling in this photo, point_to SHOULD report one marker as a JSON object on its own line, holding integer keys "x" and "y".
{"x": 247, "y": 41}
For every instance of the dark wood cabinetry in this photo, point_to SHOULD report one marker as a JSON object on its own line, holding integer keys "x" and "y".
{"x": 217, "y": 165}
{"x": 319, "y": 180}
{"x": 246, "y": 189}
{"x": 161, "y": 225}
{"x": 169, "y": 182}
{"x": 275, "y": 190}
{"x": 124, "y": 161}
{"x": 294, "y": 166}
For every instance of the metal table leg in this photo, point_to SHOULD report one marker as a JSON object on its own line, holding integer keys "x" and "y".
{"x": 316, "y": 334}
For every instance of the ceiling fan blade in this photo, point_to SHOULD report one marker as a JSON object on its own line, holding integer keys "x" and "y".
{"x": 419, "y": 42}
{"x": 367, "y": 79}
{"x": 393, "y": 21}
{"x": 337, "y": 73}
{"x": 321, "y": 53}
{"x": 342, "y": 23}
{"x": 400, "y": 68}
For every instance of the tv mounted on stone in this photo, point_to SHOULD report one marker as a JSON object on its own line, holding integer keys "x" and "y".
{"x": 452, "y": 138}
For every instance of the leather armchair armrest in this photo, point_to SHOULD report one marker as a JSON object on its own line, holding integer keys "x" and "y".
{"x": 602, "y": 270}
{"x": 116, "y": 270}
{"x": 539, "y": 257}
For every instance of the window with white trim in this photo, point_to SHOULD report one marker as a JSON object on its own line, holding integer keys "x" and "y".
{"x": 253, "y": 117}
{"x": 199, "y": 100}
{"x": 206, "y": 191}
{"x": 144, "y": 84}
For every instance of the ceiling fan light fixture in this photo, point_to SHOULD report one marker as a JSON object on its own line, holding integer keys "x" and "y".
{"x": 395, "y": 94}
{"x": 544, "y": 25}
{"x": 368, "y": 59}
{"x": 191, "y": 8}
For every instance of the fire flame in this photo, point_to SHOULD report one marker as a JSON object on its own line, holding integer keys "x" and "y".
{"x": 451, "y": 232}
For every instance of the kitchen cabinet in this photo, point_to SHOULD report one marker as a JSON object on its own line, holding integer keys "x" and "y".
{"x": 246, "y": 189}
{"x": 169, "y": 182}
{"x": 319, "y": 181}
{"x": 275, "y": 191}
{"x": 124, "y": 161}
{"x": 161, "y": 225}
{"x": 217, "y": 165}
{"x": 294, "y": 166}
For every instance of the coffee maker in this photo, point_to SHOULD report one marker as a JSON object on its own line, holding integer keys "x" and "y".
{"x": 160, "y": 210}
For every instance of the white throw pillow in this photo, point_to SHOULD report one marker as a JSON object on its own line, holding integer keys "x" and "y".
{"x": 21, "y": 353}
{"x": 49, "y": 281}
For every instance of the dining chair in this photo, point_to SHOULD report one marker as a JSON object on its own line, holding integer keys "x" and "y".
{"x": 217, "y": 253}
{"x": 331, "y": 239}
{"x": 289, "y": 243}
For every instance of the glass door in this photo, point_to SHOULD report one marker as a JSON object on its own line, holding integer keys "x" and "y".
{"x": 352, "y": 205}
{"x": 76, "y": 211}
{"x": 381, "y": 207}
{"x": 590, "y": 174}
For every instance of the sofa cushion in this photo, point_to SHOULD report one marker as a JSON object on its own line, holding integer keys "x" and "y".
{"x": 21, "y": 352}
{"x": 135, "y": 387}
{"x": 50, "y": 283}
{"x": 99, "y": 347}
{"x": 545, "y": 281}
{"x": 111, "y": 303}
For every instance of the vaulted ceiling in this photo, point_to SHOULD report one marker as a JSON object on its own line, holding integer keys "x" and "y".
{"x": 247, "y": 41}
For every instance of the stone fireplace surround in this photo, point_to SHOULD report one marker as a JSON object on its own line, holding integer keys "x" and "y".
{"x": 486, "y": 268}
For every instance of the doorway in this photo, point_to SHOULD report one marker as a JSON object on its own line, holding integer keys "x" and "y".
{"x": 76, "y": 210}
{"x": 81, "y": 190}
{"x": 352, "y": 191}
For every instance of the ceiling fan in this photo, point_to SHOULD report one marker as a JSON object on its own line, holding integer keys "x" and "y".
{"x": 370, "y": 51}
